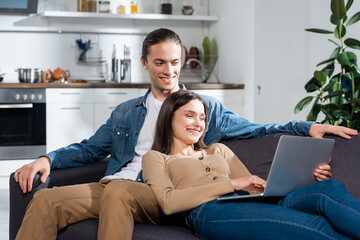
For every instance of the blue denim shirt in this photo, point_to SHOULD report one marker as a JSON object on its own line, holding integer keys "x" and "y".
{"x": 118, "y": 136}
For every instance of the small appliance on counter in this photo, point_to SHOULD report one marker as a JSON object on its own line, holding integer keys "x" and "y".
{"x": 121, "y": 68}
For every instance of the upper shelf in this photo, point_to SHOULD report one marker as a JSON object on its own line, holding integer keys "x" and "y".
{"x": 65, "y": 21}
{"x": 143, "y": 16}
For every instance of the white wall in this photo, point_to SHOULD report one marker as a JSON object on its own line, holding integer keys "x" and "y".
{"x": 263, "y": 43}
{"x": 234, "y": 34}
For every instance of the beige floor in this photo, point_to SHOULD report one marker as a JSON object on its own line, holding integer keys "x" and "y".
{"x": 4, "y": 214}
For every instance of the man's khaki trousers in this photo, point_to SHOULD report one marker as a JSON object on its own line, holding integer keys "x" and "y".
{"x": 117, "y": 203}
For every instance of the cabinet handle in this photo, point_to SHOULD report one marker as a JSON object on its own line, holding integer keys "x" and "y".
{"x": 117, "y": 93}
{"x": 70, "y": 108}
{"x": 73, "y": 93}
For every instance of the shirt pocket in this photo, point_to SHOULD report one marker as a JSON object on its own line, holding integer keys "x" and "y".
{"x": 121, "y": 139}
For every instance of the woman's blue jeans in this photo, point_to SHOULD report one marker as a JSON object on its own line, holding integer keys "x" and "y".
{"x": 322, "y": 210}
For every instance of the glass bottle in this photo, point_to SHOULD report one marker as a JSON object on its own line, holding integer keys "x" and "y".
{"x": 134, "y": 6}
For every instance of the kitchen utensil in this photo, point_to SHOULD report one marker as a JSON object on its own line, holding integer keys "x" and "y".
{"x": 29, "y": 75}
{"x": 207, "y": 50}
{"x": 57, "y": 73}
{"x": 193, "y": 53}
{"x": 45, "y": 76}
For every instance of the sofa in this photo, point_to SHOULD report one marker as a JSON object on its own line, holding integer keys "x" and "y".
{"x": 256, "y": 154}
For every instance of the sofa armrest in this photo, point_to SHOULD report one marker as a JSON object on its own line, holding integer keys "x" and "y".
{"x": 92, "y": 172}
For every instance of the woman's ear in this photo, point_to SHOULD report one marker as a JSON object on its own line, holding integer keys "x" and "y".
{"x": 143, "y": 63}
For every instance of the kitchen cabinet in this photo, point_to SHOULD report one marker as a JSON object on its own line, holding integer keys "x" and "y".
{"x": 69, "y": 116}
{"x": 233, "y": 99}
{"x": 106, "y": 99}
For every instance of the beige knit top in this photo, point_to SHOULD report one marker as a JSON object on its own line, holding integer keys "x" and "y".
{"x": 183, "y": 183}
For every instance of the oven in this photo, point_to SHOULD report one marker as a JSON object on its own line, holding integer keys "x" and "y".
{"x": 22, "y": 123}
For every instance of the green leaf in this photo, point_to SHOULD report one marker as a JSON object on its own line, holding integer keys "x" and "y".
{"x": 314, "y": 112}
{"x": 338, "y": 8}
{"x": 312, "y": 85}
{"x": 355, "y": 18}
{"x": 302, "y": 104}
{"x": 321, "y": 76}
{"x": 352, "y": 43}
{"x": 342, "y": 114}
{"x": 317, "y": 30}
{"x": 329, "y": 109}
{"x": 334, "y": 43}
{"x": 335, "y": 53}
{"x": 330, "y": 85}
{"x": 334, "y": 94}
{"x": 336, "y": 21}
{"x": 340, "y": 31}
{"x": 348, "y": 4}
{"x": 330, "y": 60}
{"x": 344, "y": 59}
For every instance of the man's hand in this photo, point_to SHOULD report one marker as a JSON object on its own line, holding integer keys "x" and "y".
{"x": 25, "y": 175}
{"x": 250, "y": 184}
{"x": 319, "y": 130}
{"x": 322, "y": 172}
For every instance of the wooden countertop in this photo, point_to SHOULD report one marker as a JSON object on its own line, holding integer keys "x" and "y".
{"x": 190, "y": 86}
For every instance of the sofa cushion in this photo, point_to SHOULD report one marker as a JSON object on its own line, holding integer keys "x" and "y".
{"x": 87, "y": 229}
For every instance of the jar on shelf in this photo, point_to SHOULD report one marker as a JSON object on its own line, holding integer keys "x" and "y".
{"x": 166, "y": 6}
{"x": 81, "y": 5}
{"x": 91, "y": 6}
{"x": 121, "y": 9}
{"x": 134, "y": 6}
{"x": 104, "y": 6}
{"x": 187, "y": 8}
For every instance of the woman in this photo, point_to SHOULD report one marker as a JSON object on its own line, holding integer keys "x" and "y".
{"x": 187, "y": 177}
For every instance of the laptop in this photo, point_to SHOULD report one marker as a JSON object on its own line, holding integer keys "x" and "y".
{"x": 293, "y": 166}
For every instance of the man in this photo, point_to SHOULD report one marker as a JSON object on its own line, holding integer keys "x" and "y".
{"x": 118, "y": 200}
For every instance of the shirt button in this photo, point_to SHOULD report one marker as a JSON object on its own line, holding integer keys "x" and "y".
{"x": 214, "y": 178}
{"x": 127, "y": 135}
{"x": 207, "y": 169}
{"x": 201, "y": 158}
{"x": 136, "y": 133}
{"x": 118, "y": 133}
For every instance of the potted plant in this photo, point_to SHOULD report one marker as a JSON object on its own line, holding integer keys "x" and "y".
{"x": 335, "y": 88}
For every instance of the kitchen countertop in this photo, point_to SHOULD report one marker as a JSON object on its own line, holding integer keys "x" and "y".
{"x": 189, "y": 86}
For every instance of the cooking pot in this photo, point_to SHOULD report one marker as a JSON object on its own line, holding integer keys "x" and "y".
{"x": 29, "y": 75}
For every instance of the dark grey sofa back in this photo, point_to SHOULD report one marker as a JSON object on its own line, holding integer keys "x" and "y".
{"x": 256, "y": 154}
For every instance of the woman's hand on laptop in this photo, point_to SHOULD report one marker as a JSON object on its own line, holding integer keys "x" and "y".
{"x": 322, "y": 172}
{"x": 251, "y": 184}
{"x": 319, "y": 130}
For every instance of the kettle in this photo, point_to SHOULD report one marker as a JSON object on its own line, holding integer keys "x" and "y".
{"x": 58, "y": 73}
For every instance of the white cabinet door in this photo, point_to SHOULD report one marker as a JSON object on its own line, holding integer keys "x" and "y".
{"x": 69, "y": 117}
{"x": 106, "y": 100}
{"x": 233, "y": 99}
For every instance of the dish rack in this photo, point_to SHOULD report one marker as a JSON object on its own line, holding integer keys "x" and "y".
{"x": 199, "y": 66}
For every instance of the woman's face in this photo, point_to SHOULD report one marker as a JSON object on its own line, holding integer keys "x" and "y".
{"x": 189, "y": 123}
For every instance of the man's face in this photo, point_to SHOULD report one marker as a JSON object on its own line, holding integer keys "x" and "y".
{"x": 163, "y": 64}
